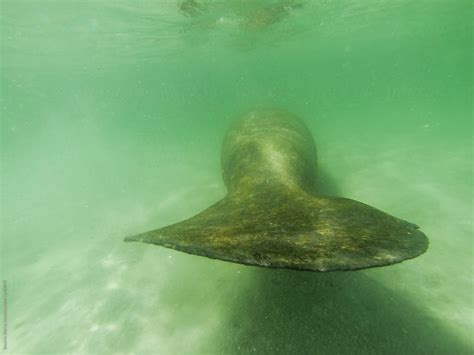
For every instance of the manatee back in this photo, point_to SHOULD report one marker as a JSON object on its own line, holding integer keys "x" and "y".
{"x": 268, "y": 147}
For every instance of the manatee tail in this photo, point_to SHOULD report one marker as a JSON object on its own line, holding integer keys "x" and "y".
{"x": 297, "y": 232}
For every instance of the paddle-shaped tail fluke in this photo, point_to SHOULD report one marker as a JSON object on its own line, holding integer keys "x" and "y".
{"x": 299, "y": 231}
{"x": 272, "y": 216}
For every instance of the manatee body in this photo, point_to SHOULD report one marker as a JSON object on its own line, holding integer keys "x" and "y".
{"x": 273, "y": 216}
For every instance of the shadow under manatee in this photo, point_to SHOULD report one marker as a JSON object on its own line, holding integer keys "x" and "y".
{"x": 294, "y": 312}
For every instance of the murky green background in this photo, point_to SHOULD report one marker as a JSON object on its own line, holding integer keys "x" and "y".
{"x": 113, "y": 114}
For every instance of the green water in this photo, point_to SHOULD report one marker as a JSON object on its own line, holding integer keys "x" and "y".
{"x": 113, "y": 113}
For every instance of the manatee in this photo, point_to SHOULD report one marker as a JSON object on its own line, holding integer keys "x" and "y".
{"x": 273, "y": 215}
{"x": 192, "y": 7}
{"x": 260, "y": 18}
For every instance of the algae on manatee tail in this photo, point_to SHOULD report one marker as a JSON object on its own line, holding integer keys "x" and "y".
{"x": 273, "y": 216}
